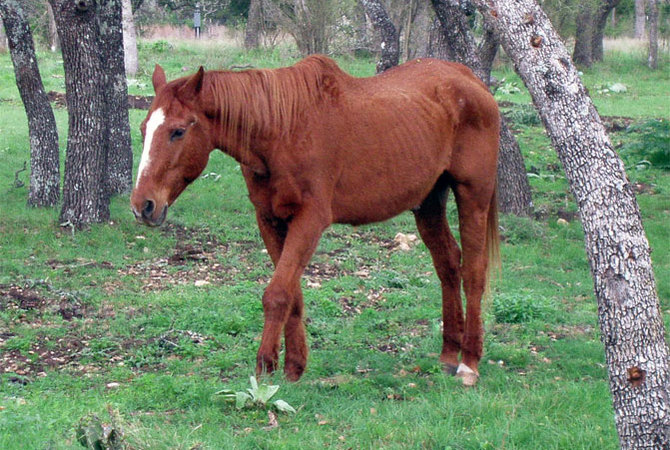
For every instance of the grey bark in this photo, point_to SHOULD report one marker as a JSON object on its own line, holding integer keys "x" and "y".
{"x": 513, "y": 188}
{"x": 390, "y": 44}
{"x": 85, "y": 197}
{"x": 44, "y": 152}
{"x": 631, "y": 324}
{"x": 129, "y": 38}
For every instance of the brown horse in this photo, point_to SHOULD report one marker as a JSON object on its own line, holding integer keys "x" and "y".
{"x": 317, "y": 147}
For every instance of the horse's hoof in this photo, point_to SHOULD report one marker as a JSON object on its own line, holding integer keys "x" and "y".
{"x": 468, "y": 376}
{"x": 450, "y": 369}
{"x": 293, "y": 371}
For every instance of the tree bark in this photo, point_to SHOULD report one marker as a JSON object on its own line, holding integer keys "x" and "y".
{"x": 652, "y": 60}
{"x": 129, "y": 39}
{"x": 513, "y": 188}
{"x": 44, "y": 152}
{"x": 85, "y": 197}
{"x": 640, "y": 19}
{"x": 631, "y": 324}
{"x": 390, "y": 54}
{"x": 253, "y": 30}
{"x": 117, "y": 122}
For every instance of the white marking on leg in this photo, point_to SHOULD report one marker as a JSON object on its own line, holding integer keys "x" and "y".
{"x": 462, "y": 368}
{"x": 157, "y": 118}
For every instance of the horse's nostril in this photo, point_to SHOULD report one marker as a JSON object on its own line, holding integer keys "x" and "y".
{"x": 148, "y": 208}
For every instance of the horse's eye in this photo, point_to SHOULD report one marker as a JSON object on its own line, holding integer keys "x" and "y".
{"x": 177, "y": 134}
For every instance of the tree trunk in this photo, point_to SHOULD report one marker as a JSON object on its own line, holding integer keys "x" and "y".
{"x": 54, "y": 44}
{"x": 583, "y": 51}
{"x": 390, "y": 45}
{"x": 640, "y": 19}
{"x": 111, "y": 50}
{"x": 44, "y": 153}
{"x": 129, "y": 39}
{"x": 488, "y": 49}
{"x": 630, "y": 319}
{"x": 437, "y": 43}
{"x": 253, "y": 30}
{"x": 600, "y": 22}
{"x": 513, "y": 188}
{"x": 85, "y": 197}
{"x": 652, "y": 60}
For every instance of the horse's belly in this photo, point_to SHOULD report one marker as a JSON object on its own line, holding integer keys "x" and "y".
{"x": 375, "y": 200}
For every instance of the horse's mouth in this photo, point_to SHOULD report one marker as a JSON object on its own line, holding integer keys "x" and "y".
{"x": 151, "y": 220}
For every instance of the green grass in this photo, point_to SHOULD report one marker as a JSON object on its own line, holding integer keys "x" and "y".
{"x": 150, "y": 323}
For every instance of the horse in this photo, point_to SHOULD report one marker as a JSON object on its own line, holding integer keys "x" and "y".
{"x": 317, "y": 146}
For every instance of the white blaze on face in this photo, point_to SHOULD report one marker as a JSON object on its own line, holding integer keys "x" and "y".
{"x": 157, "y": 118}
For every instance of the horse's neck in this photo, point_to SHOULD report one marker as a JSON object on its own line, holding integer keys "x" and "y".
{"x": 260, "y": 107}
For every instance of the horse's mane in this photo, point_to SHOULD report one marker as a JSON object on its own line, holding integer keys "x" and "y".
{"x": 271, "y": 102}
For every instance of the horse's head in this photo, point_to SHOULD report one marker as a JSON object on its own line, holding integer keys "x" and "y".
{"x": 177, "y": 144}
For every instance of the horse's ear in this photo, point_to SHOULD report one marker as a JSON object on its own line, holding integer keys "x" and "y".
{"x": 194, "y": 84}
{"x": 158, "y": 79}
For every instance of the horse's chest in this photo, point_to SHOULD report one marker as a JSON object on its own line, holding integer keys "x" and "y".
{"x": 274, "y": 196}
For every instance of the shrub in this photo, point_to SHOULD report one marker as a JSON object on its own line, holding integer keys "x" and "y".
{"x": 520, "y": 308}
{"x": 650, "y": 144}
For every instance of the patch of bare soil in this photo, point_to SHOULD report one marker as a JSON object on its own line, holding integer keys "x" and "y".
{"x": 196, "y": 259}
{"x": 27, "y": 299}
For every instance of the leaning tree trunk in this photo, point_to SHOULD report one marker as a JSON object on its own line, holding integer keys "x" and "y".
{"x": 630, "y": 319}
{"x": 513, "y": 187}
{"x": 390, "y": 39}
{"x": 119, "y": 146}
{"x": 44, "y": 154}
{"x": 85, "y": 197}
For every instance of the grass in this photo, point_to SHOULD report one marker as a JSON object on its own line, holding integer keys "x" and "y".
{"x": 146, "y": 325}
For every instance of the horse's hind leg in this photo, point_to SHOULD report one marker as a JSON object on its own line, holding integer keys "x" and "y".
{"x": 473, "y": 214}
{"x": 432, "y": 223}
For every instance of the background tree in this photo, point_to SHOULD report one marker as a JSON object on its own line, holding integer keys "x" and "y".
{"x": 111, "y": 51}
{"x": 640, "y": 19}
{"x": 631, "y": 324}
{"x": 44, "y": 152}
{"x": 590, "y": 30}
{"x": 390, "y": 41}
{"x": 513, "y": 188}
{"x": 254, "y": 25}
{"x": 652, "y": 60}
{"x": 93, "y": 77}
{"x": 129, "y": 38}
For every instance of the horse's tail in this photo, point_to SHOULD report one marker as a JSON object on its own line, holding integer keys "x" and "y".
{"x": 493, "y": 239}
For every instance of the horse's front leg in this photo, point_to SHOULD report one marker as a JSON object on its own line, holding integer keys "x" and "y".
{"x": 282, "y": 300}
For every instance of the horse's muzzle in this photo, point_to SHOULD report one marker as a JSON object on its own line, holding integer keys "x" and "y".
{"x": 148, "y": 214}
